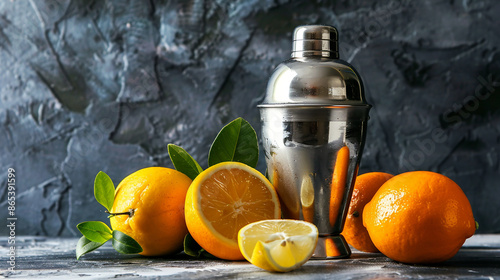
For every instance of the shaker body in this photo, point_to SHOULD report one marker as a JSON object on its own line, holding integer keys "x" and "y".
{"x": 314, "y": 120}
{"x": 311, "y": 161}
{"x": 312, "y": 157}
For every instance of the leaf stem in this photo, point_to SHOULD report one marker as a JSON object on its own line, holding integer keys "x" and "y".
{"x": 130, "y": 213}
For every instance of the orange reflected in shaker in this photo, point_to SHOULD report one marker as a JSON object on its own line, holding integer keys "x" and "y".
{"x": 338, "y": 186}
{"x": 331, "y": 249}
{"x": 289, "y": 206}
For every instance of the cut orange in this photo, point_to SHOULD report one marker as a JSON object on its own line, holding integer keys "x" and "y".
{"x": 223, "y": 199}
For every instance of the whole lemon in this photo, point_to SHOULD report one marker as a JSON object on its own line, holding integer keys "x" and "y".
{"x": 154, "y": 199}
{"x": 419, "y": 217}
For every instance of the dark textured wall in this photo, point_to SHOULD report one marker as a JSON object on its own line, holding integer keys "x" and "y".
{"x": 106, "y": 85}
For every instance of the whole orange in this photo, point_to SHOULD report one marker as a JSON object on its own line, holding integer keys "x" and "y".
{"x": 365, "y": 187}
{"x": 155, "y": 198}
{"x": 419, "y": 217}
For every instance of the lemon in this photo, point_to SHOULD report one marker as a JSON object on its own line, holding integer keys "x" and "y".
{"x": 278, "y": 245}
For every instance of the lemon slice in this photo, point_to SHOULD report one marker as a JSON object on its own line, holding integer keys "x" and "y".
{"x": 278, "y": 245}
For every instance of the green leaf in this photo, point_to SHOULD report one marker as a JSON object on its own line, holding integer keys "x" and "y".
{"x": 183, "y": 162}
{"x": 237, "y": 141}
{"x": 193, "y": 249}
{"x": 95, "y": 231}
{"x": 85, "y": 246}
{"x": 104, "y": 190}
{"x": 125, "y": 244}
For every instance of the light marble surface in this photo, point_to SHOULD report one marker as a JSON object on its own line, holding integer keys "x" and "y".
{"x": 54, "y": 258}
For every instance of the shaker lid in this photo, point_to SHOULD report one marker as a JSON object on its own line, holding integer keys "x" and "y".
{"x": 314, "y": 76}
{"x": 315, "y": 40}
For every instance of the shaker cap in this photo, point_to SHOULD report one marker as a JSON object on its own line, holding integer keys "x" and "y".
{"x": 314, "y": 76}
{"x": 315, "y": 40}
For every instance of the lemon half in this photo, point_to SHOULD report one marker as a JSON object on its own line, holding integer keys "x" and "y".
{"x": 278, "y": 245}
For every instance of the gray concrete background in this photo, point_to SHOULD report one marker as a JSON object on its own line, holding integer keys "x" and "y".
{"x": 106, "y": 85}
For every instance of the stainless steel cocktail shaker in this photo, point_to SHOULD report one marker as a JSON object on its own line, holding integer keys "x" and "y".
{"x": 314, "y": 120}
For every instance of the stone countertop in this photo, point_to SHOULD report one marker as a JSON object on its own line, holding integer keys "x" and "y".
{"x": 54, "y": 258}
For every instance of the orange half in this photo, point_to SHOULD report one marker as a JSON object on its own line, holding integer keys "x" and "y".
{"x": 223, "y": 199}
